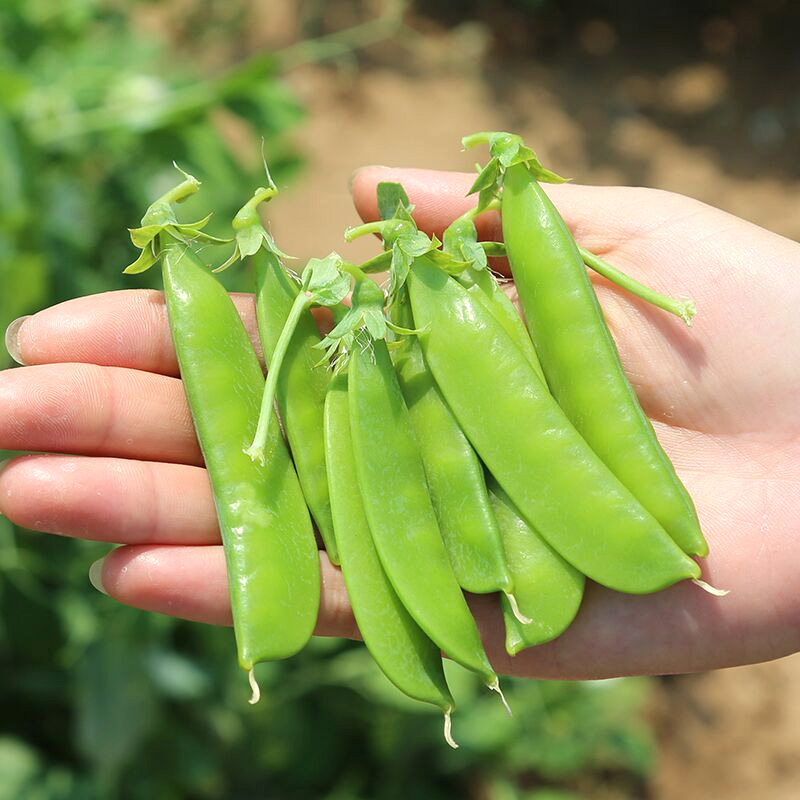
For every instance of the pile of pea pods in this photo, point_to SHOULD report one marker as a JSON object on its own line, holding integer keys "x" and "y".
{"x": 436, "y": 444}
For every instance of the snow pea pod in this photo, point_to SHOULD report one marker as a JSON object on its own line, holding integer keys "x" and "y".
{"x": 486, "y": 290}
{"x": 454, "y": 474}
{"x": 461, "y": 240}
{"x": 391, "y": 478}
{"x": 270, "y": 551}
{"x": 580, "y": 358}
{"x": 272, "y": 559}
{"x": 302, "y": 384}
{"x": 408, "y": 658}
{"x": 554, "y": 478}
{"x": 548, "y": 589}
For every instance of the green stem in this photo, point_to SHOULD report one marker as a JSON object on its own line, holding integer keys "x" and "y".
{"x": 493, "y": 249}
{"x": 180, "y": 192}
{"x": 368, "y": 227}
{"x": 247, "y": 215}
{"x": 256, "y": 450}
{"x": 685, "y": 309}
{"x": 475, "y": 139}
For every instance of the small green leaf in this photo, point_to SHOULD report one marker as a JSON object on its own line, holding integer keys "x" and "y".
{"x": 474, "y": 254}
{"x": 505, "y": 147}
{"x": 188, "y": 234}
{"x": 271, "y": 247}
{"x": 415, "y": 245}
{"x": 146, "y": 259}
{"x": 229, "y": 262}
{"x": 324, "y": 279}
{"x": 390, "y": 195}
{"x": 493, "y": 249}
{"x": 199, "y": 225}
{"x": 141, "y": 237}
{"x": 487, "y": 179}
{"x": 398, "y": 273}
{"x": 249, "y": 240}
{"x": 375, "y": 322}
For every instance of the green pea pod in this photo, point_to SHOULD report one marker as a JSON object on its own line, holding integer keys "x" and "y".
{"x": 302, "y": 384}
{"x": 272, "y": 560}
{"x": 548, "y": 470}
{"x": 453, "y": 472}
{"x": 399, "y": 510}
{"x": 580, "y": 358}
{"x": 408, "y": 658}
{"x": 547, "y": 588}
{"x": 486, "y": 290}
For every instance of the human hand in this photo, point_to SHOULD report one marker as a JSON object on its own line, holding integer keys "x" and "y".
{"x": 722, "y": 397}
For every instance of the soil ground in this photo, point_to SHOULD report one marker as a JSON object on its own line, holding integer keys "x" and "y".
{"x": 678, "y": 124}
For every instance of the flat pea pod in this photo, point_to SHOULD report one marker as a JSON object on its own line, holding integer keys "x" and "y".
{"x": 548, "y": 589}
{"x": 454, "y": 474}
{"x": 408, "y": 658}
{"x": 302, "y": 384}
{"x": 399, "y": 510}
{"x": 272, "y": 559}
{"x": 486, "y": 290}
{"x": 553, "y": 477}
{"x": 580, "y": 358}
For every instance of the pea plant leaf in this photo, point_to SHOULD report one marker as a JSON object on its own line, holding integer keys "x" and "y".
{"x": 506, "y": 150}
{"x": 390, "y": 195}
{"x": 324, "y": 279}
{"x": 251, "y": 235}
{"x": 160, "y": 219}
{"x": 461, "y": 243}
{"x": 146, "y": 259}
{"x": 366, "y": 314}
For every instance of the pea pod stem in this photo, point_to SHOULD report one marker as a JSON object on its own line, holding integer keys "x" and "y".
{"x": 179, "y": 193}
{"x": 685, "y": 309}
{"x": 302, "y": 302}
{"x": 379, "y": 226}
{"x": 247, "y": 215}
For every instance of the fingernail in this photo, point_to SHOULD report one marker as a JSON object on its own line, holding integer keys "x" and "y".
{"x": 96, "y": 575}
{"x": 12, "y": 338}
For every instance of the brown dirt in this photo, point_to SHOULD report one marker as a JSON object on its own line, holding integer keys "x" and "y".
{"x": 676, "y": 124}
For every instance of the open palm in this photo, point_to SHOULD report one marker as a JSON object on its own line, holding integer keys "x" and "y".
{"x": 723, "y": 395}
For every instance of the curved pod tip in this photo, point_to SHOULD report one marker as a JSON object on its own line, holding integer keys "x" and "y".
{"x": 448, "y": 729}
{"x": 255, "y": 690}
{"x": 520, "y": 617}
{"x": 707, "y": 587}
{"x": 495, "y": 687}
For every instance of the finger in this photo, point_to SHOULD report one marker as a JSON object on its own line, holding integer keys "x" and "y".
{"x": 607, "y": 220}
{"x": 600, "y": 217}
{"x": 90, "y": 410}
{"x": 110, "y": 500}
{"x": 681, "y": 629}
{"x": 191, "y": 583}
{"x": 127, "y": 328}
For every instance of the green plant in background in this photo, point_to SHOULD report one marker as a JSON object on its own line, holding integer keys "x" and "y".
{"x": 98, "y": 700}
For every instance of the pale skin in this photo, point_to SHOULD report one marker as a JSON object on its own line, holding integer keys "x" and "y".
{"x": 100, "y": 394}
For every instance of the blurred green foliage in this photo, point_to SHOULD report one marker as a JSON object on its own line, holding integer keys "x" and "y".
{"x": 93, "y": 111}
{"x": 100, "y": 701}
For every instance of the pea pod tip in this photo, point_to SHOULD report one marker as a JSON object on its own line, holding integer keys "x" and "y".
{"x": 707, "y": 587}
{"x": 448, "y": 726}
{"x": 255, "y": 689}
